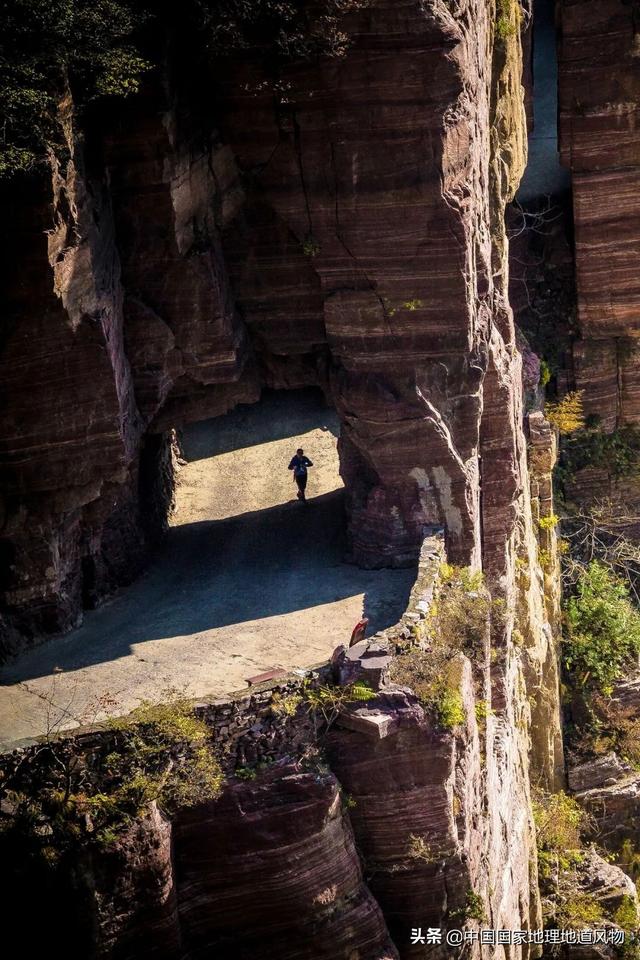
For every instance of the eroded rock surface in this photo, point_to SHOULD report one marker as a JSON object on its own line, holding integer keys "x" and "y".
{"x": 271, "y": 870}
{"x": 365, "y": 256}
{"x": 135, "y": 893}
{"x": 430, "y": 847}
{"x": 612, "y": 897}
{"x": 602, "y": 771}
{"x": 353, "y": 238}
{"x": 615, "y": 811}
{"x": 600, "y": 143}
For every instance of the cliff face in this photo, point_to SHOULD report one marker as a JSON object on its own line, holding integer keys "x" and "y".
{"x": 600, "y": 143}
{"x": 87, "y": 478}
{"x": 340, "y": 840}
{"x": 351, "y": 235}
{"x": 272, "y": 869}
{"x": 348, "y": 238}
{"x": 269, "y": 869}
{"x": 68, "y": 400}
{"x": 378, "y": 167}
{"x": 430, "y": 844}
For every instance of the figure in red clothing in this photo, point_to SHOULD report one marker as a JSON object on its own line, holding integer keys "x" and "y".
{"x": 358, "y": 631}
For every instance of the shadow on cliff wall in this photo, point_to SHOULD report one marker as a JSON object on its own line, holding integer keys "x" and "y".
{"x": 227, "y": 573}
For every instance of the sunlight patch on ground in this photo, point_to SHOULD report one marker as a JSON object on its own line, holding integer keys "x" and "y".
{"x": 254, "y": 478}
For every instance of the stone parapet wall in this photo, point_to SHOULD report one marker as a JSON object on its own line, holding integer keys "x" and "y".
{"x": 249, "y": 727}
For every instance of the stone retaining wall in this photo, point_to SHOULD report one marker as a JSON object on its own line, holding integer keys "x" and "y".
{"x": 254, "y": 727}
{"x": 251, "y": 728}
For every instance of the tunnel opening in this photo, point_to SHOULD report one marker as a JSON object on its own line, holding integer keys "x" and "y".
{"x": 238, "y": 463}
{"x": 275, "y": 556}
{"x": 248, "y": 579}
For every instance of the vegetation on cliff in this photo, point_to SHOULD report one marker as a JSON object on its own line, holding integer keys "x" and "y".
{"x": 601, "y": 643}
{"x": 290, "y": 30}
{"x": 567, "y": 414}
{"x": 434, "y": 678}
{"x": 558, "y": 820}
{"x": 600, "y": 577}
{"x": 94, "y": 48}
{"x": 61, "y": 795}
{"x": 603, "y": 629}
{"x": 618, "y": 452}
{"x": 48, "y": 46}
{"x": 508, "y": 18}
{"x": 457, "y": 625}
{"x": 324, "y": 702}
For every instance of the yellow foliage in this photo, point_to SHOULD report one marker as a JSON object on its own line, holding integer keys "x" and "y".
{"x": 420, "y": 849}
{"x": 567, "y": 414}
{"x": 558, "y": 819}
{"x": 285, "y": 706}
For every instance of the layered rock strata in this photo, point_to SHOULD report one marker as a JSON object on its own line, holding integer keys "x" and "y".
{"x": 429, "y": 848}
{"x": 351, "y": 238}
{"x": 366, "y": 252}
{"x": 87, "y": 478}
{"x": 440, "y": 814}
{"x": 614, "y": 903}
{"x": 600, "y": 143}
{"x": 271, "y": 869}
{"x": 70, "y": 442}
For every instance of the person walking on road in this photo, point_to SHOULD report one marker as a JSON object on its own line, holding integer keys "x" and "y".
{"x": 299, "y": 465}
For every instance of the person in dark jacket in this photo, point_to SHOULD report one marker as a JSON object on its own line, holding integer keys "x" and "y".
{"x": 299, "y": 465}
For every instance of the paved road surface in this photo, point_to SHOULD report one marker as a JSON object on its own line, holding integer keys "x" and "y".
{"x": 249, "y": 578}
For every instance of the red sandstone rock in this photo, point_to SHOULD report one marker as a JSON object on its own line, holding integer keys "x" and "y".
{"x": 376, "y": 167}
{"x": 135, "y": 895}
{"x": 420, "y": 783}
{"x": 270, "y": 870}
{"x": 85, "y": 495}
{"x": 182, "y": 329}
{"x": 615, "y": 811}
{"x": 361, "y": 259}
{"x": 606, "y": 886}
{"x": 369, "y": 258}
{"x": 69, "y": 427}
{"x": 600, "y": 143}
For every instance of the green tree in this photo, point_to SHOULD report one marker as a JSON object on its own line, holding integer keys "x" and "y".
{"x": 92, "y": 46}
{"x": 48, "y": 46}
{"x": 283, "y": 29}
{"x": 602, "y": 629}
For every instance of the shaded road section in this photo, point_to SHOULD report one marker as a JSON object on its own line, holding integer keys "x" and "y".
{"x": 249, "y": 579}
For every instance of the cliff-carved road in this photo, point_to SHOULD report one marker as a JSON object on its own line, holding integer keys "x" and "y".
{"x": 249, "y": 578}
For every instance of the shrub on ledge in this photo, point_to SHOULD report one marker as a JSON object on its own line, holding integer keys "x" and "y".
{"x": 324, "y": 703}
{"x": 602, "y": 634}
{"x": 62, "y": 796}
{"x": 567, "y": 414}
{"x": 558, "y": 820}
{"x": 434, "y": 679}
